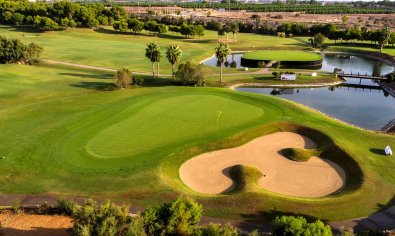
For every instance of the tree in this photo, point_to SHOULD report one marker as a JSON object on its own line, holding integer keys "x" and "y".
{"x": 298, "y": 226}
{"x": 173, "y": 55}
{"x": 191, "y": 74}
{"x": 344, "y": 19}
{"x": 199, "y": 30}
{"x": 135, "y": 25}
{"x": 122, "y": 78}
{"x": 18, "y": 18}
{"x": 33, "y": 52}
{"x": 14, "y": 51}
{"x": 318, "y": 40}
{"x": 121, "y": 26}
{"x": 45, "y": 24}
{"x": 227, "y": 30}
{"x": 222, "y": 51}
{"x": 92, "y": 22}
{"x": 179, "y": 217}
{"x": 384, "y": 36}
{"x": 152, "y": 52}
{"x": 235, "y": 30}
{"x": 257, "y": 19}
{"x": 221, "y": 33}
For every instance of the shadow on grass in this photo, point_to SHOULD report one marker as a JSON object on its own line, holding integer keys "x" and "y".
{"x": 22, "y": 28}
{"x": 99, "y": 86}
{"x": 109, "y": 31}
{"x": 88, "y": 76}
{"x": 377, "y": 151}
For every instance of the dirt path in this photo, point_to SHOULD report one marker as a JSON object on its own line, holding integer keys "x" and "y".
{"x": 317, "y": 177}
{"x": 34, "y": 225}
{"x": 383, "y": 220}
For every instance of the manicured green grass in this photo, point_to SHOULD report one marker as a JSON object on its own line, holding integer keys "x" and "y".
{"x": 350, "y": 47}
{"x": 282, "y": 55}
{"x": 52, "y": 119}
{"x": 299, "y": 154}
{"x": 108, "y": 48}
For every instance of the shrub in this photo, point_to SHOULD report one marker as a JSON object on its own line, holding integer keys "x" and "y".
{"x": 67, "y": 207}
{"x": 104, "y": 220}
{"x": 290, "y": 225}
{"x": 44, "y": 208}
{"x": 137, "y": 80}
{"x": 275, "y": 73}
{"x": 179, "y": 217}
{"x": 16, "y": 206}
{"x": 219, "y": 230}
{"x": 192, "y": 74}
{"x": 122, "y": 78}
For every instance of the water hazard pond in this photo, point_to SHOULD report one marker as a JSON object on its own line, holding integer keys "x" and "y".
{"x": 368, "y": 107}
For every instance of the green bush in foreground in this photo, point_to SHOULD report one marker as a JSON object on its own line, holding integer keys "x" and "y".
{"x": 298, "y": 226}
{"x": 107, "y": 219}
{"x": 179, "y": 217}
{"x": 299, "y": 154}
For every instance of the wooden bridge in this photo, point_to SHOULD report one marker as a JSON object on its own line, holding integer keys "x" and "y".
{"x": 390, "y": 127}
{"x": 361, "y": 76}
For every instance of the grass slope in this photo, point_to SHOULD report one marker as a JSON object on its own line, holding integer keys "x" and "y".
{"x": 299, "y": 154}
{"x": 49, "y": 116}
{"x": 282, "y": 55}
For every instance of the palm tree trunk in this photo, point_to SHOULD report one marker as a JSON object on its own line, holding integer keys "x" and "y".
{"x": 153, "y": 70}
{"x": 157, "y": 74}
{"x": 220, "y": 77}
{"x": 234, "y": 37}
{"x": 172, "y": 71}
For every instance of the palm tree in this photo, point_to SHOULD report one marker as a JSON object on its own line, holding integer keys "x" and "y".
{"x": 227, "y": 31}
{"x": 222, "y": 51}
{"x": 152, "y": 52}
{"x": 235, "y": 30}
{"x": 221, "y": 33}
{"x": 173, "y": 54}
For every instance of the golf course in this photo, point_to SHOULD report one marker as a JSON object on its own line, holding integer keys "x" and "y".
{"x": 66, "y": 130}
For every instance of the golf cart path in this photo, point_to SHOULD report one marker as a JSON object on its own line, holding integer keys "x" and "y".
{"x": 54, "y": 62}
{"x": 383, "y": 220}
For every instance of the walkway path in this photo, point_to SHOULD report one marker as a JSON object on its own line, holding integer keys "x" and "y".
{"x": 54, "y": 62}
{"x": 383, "y": 220}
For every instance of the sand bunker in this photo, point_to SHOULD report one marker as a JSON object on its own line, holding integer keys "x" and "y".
{"x": 208, "y": 173}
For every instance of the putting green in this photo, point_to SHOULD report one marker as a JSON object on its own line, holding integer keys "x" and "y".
{"x": 169, "y": 121}
{"x": 282, "y": 55}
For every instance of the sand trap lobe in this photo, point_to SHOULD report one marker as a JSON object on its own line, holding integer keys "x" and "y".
{"x": 207, "y": 173}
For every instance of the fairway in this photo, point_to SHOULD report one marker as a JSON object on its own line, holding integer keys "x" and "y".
{"x": 108, "y": 48}
{"x": 282, "y": 55}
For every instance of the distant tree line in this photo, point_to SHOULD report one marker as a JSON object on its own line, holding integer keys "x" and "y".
{"x": 52, "y": 16}
{"x": 310, "y": 7}
{"x": 45, "y": 16}
{"x": 14, "y": 51}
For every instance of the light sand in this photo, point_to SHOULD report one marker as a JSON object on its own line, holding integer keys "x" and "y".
{"x": 208, "y": 173}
